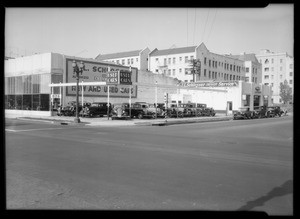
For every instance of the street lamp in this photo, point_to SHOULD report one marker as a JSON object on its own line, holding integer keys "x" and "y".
{"x": 77, "y": 69}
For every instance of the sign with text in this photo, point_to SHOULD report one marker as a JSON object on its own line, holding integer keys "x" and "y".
{"x": 210, "y": 84}
{"x": 112, "y": 77}
{"x": 95, "y": 72}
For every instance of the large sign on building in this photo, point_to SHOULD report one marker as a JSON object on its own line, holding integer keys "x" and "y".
{"x": 95, "y": 72}
{"x": 210, "y": 84}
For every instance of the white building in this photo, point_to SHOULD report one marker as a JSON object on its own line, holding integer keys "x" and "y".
{"x": 137, "y": 58}
{"x": 276, "y": 67}
{"x": 176, "y": 63}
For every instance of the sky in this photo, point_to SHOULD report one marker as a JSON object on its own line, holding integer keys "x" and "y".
{"x": 88, "y": 32}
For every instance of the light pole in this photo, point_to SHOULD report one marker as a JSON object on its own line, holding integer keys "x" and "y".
{"x": 77, "y": 69}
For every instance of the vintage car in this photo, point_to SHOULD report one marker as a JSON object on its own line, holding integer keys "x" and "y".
{"x": 175, "y": 111}
{"x": 275, "y": 111}
{"x": 120, "y": 111}
{"x": 265, "y": 112}
{"x": 142, "y": 110}
{"x": 244, "y": 113}
{"x": 96, "y": 109}
{"x": 158, "y": 111}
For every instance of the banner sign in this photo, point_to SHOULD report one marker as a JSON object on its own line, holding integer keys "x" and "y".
{"x": 112, "y": 77}
{"x": 210, "y": 84}
{"x": 95, "y": 72}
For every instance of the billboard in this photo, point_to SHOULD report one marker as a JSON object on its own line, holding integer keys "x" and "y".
{"x": 96, "y": 72}
{"x": 210, "y": 84}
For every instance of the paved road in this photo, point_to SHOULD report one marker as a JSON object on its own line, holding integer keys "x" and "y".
{"x": 232, "y": 165}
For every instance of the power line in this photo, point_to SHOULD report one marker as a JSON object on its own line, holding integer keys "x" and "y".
{"x": 205, "y": 25}
{"x": 194, "y": 25}
{"x": 187, "y": 27}
{"x": 212, "y": 24}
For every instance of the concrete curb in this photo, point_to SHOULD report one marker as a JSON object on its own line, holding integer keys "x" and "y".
{"x": 53, "y": 121}
{"x": 186, "y": 121}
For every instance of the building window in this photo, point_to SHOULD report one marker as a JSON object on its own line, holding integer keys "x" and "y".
{"x": 156, "y": 70}
{"x": 266, "y": 83}
{"x": 204, "y": 72}
{"x": 165, "y": 61}
{"x": 128, "y": 61}
{"x": 280, "y": 60}
{"x": 291, "y": 74}
{"x": 209, "y": 74}
{"x": 209, "y": 63}
{"x": 267, "y": 61}
{"x": 174, "y": 59}
{"x": 169, "y": 61}
{"x": 186, "y": 59}
{"x": 180, "y": 59}
{"x": 246, "y": 79}
{"x": 186, "y": 71}
{"x": 169, "y": 71}
{"x": 204, "y": 60}
{"x": 180, "y": 70}
{"x": 266, "y": 76}
{"x": 291, "y": 81}
{"x": 192, "y": 57}
{"x": 233, "y": 77}
{"x": 118, "y": 61}
{"x": 247, "y": 70}
{"x": 266, "y": 69}
{"x": 132, "y": 61}
{"x": 137, "y": 59}
{"x": 173, "y": 72}
{"x": 272, "y": 61}
{"x": 280, "y": 68}
{"x": 155, "y": 59}
{"x": 123, "y": 61}
{"x": 291, "y": 66}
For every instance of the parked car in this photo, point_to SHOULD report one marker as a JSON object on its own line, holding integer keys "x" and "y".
{"x": 120, "y": 111}
{"x": 97, "y": 109}
{"x": 244, "y": 113}
{"x": 142, "y": 110}
{"x": 275, "y": 111}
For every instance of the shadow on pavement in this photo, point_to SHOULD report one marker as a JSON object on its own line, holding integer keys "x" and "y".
{"x": 282, "y": 190}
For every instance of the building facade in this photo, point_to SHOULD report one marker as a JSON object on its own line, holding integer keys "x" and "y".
{"x": 28, "y": 90}
{"x": 176, "y": 63}
{"x": 276, "y": 68}
{"x": 137, "y": 59}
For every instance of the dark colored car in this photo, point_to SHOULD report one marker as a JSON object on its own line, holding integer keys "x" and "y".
{"x": 142, "y": 110}
{"x": 244, "y": 113}
{"x": 96, "y": 109}
{"x": 120, "y": 111}
{"x": 275, "y": 111}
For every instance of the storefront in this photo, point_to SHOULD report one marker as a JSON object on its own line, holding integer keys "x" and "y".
{"x": 28, "y": 89}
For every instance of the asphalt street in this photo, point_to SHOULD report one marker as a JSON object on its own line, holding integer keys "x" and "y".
{"x": 227, "y": 165}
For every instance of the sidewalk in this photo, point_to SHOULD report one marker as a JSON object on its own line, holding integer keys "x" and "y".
{"x": 103, "y": 121}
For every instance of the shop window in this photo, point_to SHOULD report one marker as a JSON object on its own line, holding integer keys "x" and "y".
{"x": 11, "y": 101}
{"x": 27, "y": 102}
{"x": 19, "y": 100}
{"x": 45, "y": 102}
{"x": 35, "y": 102}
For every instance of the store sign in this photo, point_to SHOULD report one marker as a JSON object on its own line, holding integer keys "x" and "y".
{"x": 96, "y": 72}
{"x": 55, "y": 96}
{"x": 112, "y": 77}
{"x": 210, "y": 84}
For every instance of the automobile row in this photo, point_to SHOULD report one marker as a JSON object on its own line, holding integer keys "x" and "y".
{"x": 260, "y": 112}
{"x": 138, "y": 110}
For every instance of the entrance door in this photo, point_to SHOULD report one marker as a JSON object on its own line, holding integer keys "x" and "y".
{"x": 229, "y": 108}
{"x": 256, "y": 101}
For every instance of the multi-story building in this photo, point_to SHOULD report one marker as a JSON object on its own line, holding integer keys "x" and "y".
{"x": 137, "y": 58}
{"x": 176, "y": 63}
{"x": 276, "y": 68}
{"x": 253, "y": 69}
